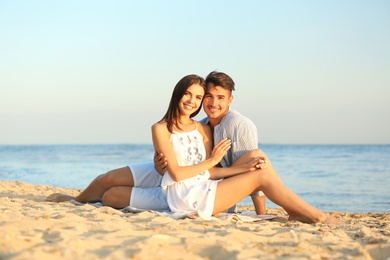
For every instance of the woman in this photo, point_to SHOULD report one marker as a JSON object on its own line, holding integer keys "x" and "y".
{"x": 139, "y": 185}
{"x": 192, "y": 184}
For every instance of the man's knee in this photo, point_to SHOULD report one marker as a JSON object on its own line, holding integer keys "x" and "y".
{"x": 116, "y": 197}
{"x": 108, "y": 197}
{"x": 106, "y": 180}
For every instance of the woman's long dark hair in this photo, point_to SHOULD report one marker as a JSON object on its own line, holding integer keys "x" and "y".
{"x": 172, "y": 115}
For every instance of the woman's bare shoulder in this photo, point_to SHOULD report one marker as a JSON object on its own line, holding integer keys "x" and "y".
{"x": 159, "y": 125}
{"x": 203, "y": 128}
{"x": 160, "y": 128}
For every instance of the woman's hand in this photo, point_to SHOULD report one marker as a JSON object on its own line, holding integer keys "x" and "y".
{"x": 257, "y": 163}
{"x": 220, "y": 150}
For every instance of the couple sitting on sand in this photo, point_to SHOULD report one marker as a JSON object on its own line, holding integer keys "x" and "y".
{"x": 205, "y": 167}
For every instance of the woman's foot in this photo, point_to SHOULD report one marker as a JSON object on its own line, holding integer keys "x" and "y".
{"x": 333, "y": 221}
{"x": 59, "y": 197}
{"x": 322, "y": 218}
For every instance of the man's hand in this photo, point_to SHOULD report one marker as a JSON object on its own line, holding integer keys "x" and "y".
{"x": 160, "y": 163}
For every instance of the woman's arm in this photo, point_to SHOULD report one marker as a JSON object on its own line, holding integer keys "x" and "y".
{"x": 162, "y": 144}
{"x": 252, "y": 165}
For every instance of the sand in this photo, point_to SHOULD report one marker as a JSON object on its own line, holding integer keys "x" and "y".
{"x": 31, "y": 228}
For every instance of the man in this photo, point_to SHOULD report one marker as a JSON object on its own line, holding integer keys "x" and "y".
{"x": 226, "y": 123}
{"x": 139, "y": 185}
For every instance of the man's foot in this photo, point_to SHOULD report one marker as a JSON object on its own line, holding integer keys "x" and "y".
{"x": 58, "y": 197}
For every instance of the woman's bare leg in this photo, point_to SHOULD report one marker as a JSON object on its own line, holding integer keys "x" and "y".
{"x": 249, "y": 156}
{"x": 260, "y": 201}
{"x": 96, "y": 189}
{"x": 274, "y": 189}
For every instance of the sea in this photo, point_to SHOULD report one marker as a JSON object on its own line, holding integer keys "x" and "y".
{"x": 342, "y": 178}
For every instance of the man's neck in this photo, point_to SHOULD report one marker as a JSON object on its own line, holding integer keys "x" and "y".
{"x": 213, "y": 122}
{"x": 211, "y": 127}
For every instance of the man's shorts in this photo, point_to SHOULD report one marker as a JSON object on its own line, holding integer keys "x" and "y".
{"x": 147, "y": 192}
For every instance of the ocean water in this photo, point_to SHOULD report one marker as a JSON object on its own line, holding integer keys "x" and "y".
{"x": 345, "y": 178}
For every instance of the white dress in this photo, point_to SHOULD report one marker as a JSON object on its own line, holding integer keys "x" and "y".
{"x": 195, "y": 194}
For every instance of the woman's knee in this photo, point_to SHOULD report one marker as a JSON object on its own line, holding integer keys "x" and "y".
{"x": 269, "y": 177}
{"x": 259, "y": 153}
{"x": 255, "y": 153}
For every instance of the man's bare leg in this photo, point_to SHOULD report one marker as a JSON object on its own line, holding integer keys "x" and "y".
{"x": 96, "y": 189}
{"x": 259, "y": 203}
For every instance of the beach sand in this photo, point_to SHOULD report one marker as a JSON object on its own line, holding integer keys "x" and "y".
{"x": 31, "y": 228}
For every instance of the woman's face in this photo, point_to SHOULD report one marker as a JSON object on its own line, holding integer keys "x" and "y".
{"x": 191, "y": 100}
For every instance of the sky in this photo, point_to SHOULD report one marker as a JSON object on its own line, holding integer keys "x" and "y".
{"x": 102, "y": 72}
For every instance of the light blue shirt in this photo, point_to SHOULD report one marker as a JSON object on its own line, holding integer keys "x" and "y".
{"x": 241, "y": 131}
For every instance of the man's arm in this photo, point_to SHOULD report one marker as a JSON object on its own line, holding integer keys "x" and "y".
{"x": 246, "y": 139}
{"x": 160, "y": 163}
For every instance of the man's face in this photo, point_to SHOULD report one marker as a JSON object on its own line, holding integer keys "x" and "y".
{"x": 216, "y": 103}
